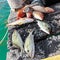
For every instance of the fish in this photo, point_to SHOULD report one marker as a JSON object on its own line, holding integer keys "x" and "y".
{"x": 39, "y": 8}
{"x": 49, "y": 10}
{"x": 21, "y": 21}
{"x": 38, "y": 15}
{"x": 20, "y": 13}
{"x": 44, "y": 26}
{"x": 29, "y": 46}
{"x": 23, "y": 11}
{"x": 43, "y": 9}
{"x": 17, "y": 40}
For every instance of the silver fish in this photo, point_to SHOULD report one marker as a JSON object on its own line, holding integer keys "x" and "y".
{"x": 44, "y": 26}
{"x": 21, "y": 21}
{"x": 43, "y": 9}
{"x": 29, "y": 45}
{"x": 38, "y": 15}
{"x": 39, "y": 8}
{"x": 17, "y": 40}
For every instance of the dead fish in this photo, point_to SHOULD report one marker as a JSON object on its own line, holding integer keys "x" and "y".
{"x": 29, "y": 45}
{"x": 39, "y": 8}
{"x": 43, "y": 9}
{"x": 49, "y": 10}
{"x": 21, "y": 21}
{"x": 44, "y": 26}
{"x": 17, "y": 40}
{"x": 38, "y": 15}
{"x": 20, "y": 13}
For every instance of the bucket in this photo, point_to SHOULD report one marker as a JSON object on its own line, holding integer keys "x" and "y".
{"x": 15, "y": 4}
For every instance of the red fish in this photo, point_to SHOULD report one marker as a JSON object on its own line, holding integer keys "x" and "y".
{"x": 20, "y": 14}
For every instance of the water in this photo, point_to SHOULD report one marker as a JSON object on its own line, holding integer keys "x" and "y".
{"x": 4, "y": 13}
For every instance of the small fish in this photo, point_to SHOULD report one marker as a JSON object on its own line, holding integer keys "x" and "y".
{"x": 20, "y": 13}
{"x": 17, "y": 40}
{"x": 21, "y": 21}
{"x": 29, "y": 45}
{"x": 38, "y": 15}
{"x": 39, "y": 8}
{"x": 49, "y": 10}
{"x": 43, "y": 9}
{"x": 44, "y": 26}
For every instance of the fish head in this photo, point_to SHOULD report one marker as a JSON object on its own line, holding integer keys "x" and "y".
{"x": 47, "y": 28}
{"x": 30, "y": 51}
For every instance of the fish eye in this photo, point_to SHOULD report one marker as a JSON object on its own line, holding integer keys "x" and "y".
{"x": 48, "y": 28}
{"x": 27, "y": 50}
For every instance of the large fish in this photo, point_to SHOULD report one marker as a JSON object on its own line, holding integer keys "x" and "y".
{"x": 17, "y": 40}
{"x": 38, "y": 15}
{"x": 29, "y": 45}
{"x": 44, "y": 26}
{"x": 21, "y": 21}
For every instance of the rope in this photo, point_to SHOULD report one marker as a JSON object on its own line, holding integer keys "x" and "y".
{"x": 3, "y": 37}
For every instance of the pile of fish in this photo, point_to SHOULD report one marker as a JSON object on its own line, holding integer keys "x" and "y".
{"x": 28, "y": 46}
{"x": 29, "y": 12}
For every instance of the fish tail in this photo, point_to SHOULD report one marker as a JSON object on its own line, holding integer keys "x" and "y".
{"x": 31, "y": 31}
{"x": 22, "y": 51}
